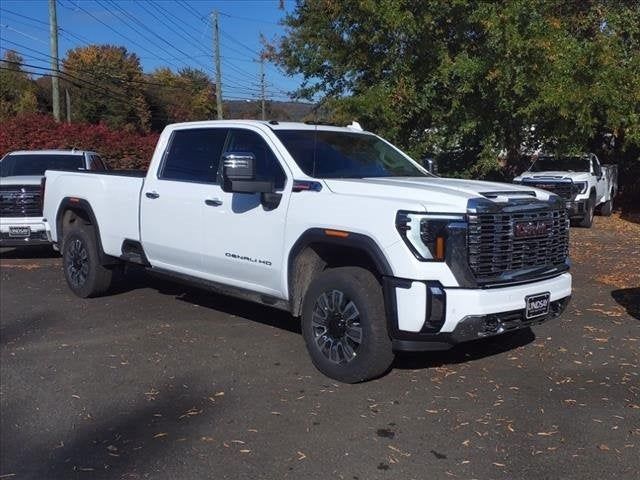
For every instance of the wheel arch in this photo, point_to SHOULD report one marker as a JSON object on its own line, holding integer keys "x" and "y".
{"x": 315, "y": 250}
{"x": 70, "y": 210}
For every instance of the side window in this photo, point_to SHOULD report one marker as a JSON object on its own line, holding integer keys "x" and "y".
{"x": 193, "y": 155}
{"x": 267, "y": 165}
{"x": 95, "y": 163}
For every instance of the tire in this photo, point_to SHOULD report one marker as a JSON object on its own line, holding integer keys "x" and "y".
{"x": 587, "y": 219}
{"x": 353, "y": 306}
{"x": 607, "y": 208}
{"x": 84, "y": 273}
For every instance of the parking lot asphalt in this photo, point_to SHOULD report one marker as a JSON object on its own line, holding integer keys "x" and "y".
{"x": 162, "y": 381}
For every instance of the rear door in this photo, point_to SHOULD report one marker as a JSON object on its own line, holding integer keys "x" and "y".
{"x": 173, "y": 200}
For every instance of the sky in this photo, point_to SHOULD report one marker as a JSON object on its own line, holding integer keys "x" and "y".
{"x": 163, "y": 33}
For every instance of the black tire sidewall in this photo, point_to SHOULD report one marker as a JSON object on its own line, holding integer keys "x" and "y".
{"x": 87, "y": 238}
{"x": 374, "y": 355}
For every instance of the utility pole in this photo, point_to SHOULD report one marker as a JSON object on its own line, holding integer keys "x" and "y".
{"x": 53, "y": 33}
{"x": 68, "y": 98}
{"x": 264, "y": 115}
{"x": 216, "y": 50}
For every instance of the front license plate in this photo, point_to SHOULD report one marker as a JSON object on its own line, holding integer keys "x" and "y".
{"x": 19, "y": 232}
{"x": 537, "y": 305}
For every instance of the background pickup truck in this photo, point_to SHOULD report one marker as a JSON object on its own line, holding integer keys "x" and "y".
{"x": 21, "y": 174}
{"x": 332, "y": 224}
{"x": 585, "y": 184}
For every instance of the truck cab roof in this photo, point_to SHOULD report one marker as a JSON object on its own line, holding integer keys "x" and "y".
{"x": 272, "y": 124}
{"x": 52, "y": 152}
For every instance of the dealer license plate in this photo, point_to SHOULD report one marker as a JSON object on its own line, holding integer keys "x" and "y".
{"x": 19, "y": 232}
{"x": 537, "y": 305}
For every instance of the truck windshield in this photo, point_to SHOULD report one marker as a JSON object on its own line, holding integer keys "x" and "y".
{"x": 332, "y": 154}
{"x": 36, "y": 165}
{"x": 560, "y": 164}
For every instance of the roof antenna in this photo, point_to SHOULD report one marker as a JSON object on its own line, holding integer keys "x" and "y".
{"x": 355, "y": 126}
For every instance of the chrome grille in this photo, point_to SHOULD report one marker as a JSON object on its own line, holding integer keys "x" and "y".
{"x": 20, "y": 201}
{"x": 562, "y": 189}
{"x": 494, "y": 250}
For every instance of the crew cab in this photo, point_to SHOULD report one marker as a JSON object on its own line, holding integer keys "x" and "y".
{"x": 21, "y": 174}
{"x": 585, "y": 184}
{"x": 333, "y": 224}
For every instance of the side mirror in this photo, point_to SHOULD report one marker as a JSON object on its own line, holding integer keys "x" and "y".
{"x": 430, "y": 164}
{"x": 239, "y": 174}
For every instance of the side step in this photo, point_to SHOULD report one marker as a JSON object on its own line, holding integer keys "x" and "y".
{"x": 133, "y": 252}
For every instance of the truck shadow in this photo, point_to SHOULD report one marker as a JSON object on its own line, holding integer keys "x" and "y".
{"x": 27, "y": 253}
{"x": 629, "y": 298}
{"x": 122, "y": 443}
{"x": 465, "y": 352}
{"x": 137, "y": 278}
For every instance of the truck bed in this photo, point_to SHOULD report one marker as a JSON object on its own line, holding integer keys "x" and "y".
{"x": 114, "y": 197}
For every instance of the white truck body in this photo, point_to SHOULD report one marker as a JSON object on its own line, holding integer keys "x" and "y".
{"x": 197, "y": 230}
{"x": 585, "y": 189}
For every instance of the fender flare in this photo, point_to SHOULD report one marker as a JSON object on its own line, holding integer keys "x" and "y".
{"x": 82, "y": 205}
{"x": 317, "y": 236}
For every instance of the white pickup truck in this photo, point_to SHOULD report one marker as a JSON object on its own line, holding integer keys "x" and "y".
{"x": 21, "y": 173}
{"x": 585, "y": 184}
{"x": 332, "y": 224}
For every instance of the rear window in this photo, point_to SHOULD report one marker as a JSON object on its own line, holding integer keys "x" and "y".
{"x": 36, "y": 165}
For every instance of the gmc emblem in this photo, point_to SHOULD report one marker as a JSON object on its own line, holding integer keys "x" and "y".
{"x": 532, "y": 229}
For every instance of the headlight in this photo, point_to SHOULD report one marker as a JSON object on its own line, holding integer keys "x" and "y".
{"x": 579, "y": 187}
{"x": 426, "y": 233}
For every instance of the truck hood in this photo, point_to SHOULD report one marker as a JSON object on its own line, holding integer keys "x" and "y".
{"x": 555, "y": 175}
{"x": 21, "y": 180}
{"x": 434, "y": 194}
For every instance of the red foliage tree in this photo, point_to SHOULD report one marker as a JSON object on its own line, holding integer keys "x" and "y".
{"x": 121, "y": 149}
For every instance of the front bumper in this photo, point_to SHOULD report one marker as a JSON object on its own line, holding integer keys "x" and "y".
{"x": 468, "y": 314}
{"x": 37, "y": 232}
{"x": 577, "y": 208}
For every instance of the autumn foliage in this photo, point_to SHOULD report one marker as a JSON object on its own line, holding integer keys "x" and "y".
{"x": 121, "y": 149}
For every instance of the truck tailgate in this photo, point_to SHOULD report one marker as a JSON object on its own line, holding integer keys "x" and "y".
{"x": 113, "y": 199}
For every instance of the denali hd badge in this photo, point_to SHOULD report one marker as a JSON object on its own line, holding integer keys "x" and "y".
{"x": 532, "y": 229}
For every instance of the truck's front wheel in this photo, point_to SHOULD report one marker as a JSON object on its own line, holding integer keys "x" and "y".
{"x": 344, "y": 325}
{"x": 83, "y": 271}
{"x": 587, "y": 219}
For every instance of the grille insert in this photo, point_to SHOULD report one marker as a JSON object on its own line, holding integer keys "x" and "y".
{"x": 494, "y": 251}
{"x": 562, "y": 189}
{"x": 20, "y": 201}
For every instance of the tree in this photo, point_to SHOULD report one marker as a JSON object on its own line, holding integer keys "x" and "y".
{"x": 107, "y": 85}
{"x": 178, "y": 97}
{"x": 469, "y": 75}
{"x": 17, "y": 89}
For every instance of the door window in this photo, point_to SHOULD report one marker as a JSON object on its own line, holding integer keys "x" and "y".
{"x": 193, "y": 155}
{"x": 267, "y": 166}
{"x": 596, "y": 167}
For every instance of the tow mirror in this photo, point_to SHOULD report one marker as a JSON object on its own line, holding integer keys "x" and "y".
{"x": 239, "y": 174}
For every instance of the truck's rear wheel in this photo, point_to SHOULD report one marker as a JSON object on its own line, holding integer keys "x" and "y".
{"x": 84, "y": 273}
{"x": 344, "y": 325}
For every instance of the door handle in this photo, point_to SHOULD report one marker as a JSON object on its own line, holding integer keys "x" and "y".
{"x": 213, "y": 202}
{"x": 152, "y": 195}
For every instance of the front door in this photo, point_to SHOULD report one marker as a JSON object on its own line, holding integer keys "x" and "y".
{"x": 244, "y": 241}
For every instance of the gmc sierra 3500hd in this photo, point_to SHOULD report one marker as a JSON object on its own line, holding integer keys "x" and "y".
{"x": 581, "y": 181}
{"x": 333, "y": 224}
